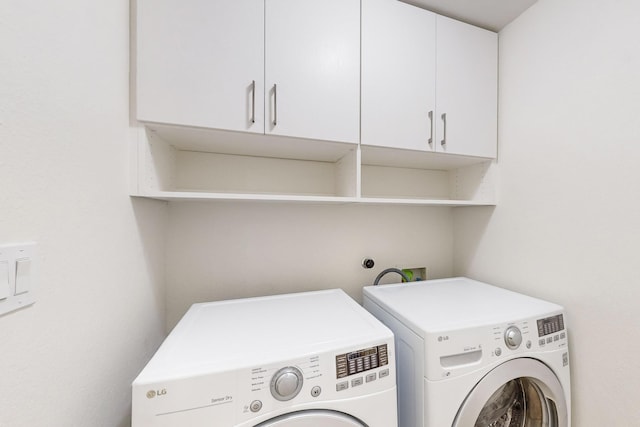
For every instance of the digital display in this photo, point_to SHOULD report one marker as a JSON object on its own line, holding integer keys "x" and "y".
{"x": 359, "y": 361}
{"x": 550, "y": 325}
{"x": 362, "y": 353}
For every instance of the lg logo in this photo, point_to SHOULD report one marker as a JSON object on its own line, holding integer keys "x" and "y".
{"x": 153, "y": 393}
{"x": 443, "y": 338}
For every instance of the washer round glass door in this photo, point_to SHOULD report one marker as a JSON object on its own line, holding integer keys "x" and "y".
{"x": 313, "y": 418}
{"x": 519, "y": 393}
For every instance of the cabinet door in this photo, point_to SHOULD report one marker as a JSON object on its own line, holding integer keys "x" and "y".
{"x": 466, "y": 89}
{"x": 197, "y": 61}
{"x": 398, "y": 75}
{"x": 312, "y": 69}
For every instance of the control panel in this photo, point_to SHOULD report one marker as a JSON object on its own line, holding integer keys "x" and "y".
{"x": 551, "y": 330}
{"x": 357, "y": 371}
{"x": 359, "y": 361}
{"x": 550, "y": 325}
{"x": 458, "y": 352}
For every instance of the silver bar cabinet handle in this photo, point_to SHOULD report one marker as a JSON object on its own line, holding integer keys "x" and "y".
{"x": 444, "y": 136}
{"x": 431, "y": 131}
{"x": 275, "y": 104}
{"x": 253, "y": 101}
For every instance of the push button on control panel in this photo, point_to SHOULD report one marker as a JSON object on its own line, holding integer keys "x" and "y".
{"x": 342, "y": 386}
{"x": 255, "y": 406}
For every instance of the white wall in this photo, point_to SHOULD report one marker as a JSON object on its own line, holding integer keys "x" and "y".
{"x": 567, "y": 226}
{"x": 64, "y": 128}
{"x": 232, "y": 250}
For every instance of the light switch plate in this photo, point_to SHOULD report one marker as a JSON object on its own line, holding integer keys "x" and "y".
{"x": 5, "y": 289}
{"x": 23, "y": 295}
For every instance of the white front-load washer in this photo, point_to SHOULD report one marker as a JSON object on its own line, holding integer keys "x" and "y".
{"x": 311, "y": 359}
{"x": 474, "y": 355}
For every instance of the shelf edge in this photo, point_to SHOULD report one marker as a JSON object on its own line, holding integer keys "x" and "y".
{"x": 171, "y": 196}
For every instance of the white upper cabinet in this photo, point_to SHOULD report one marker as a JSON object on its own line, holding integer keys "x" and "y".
{"x": 335, "y": 101}
{"x": 429, "y": 83}
{"x": 312, "y": 69}
{"x": 398, "y": 75}
{"x": 201, "y": 63}
{"x": 466, "y": 89}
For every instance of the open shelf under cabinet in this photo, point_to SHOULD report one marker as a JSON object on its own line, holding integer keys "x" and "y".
{"x": 192, "y": 165}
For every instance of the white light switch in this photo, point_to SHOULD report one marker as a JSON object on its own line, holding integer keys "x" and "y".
{"x": 23, "y": 275}
{"x": 18, "y": 276}
{"x": 5, "y": 290}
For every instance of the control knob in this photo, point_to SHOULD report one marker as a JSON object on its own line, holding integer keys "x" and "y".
{"x": 286, "y": 383}
{"x": 513, "y": 337}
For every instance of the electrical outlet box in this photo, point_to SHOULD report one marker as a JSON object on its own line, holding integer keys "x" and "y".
{"x": 17, "y": 268}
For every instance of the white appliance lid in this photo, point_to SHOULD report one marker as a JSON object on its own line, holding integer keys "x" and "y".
{"x": 450, "y": 304}
{"x": 226, "y": 335}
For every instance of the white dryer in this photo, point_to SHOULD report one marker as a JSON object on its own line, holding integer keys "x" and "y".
{"x": 474, "y": 355}
{"x": 313, "y": 359}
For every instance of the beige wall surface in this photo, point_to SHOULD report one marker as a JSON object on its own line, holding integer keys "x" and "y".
{"x": 234, "y": 250}
{"x": 567, "y": 224}
{"x": 99, "y": 314}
